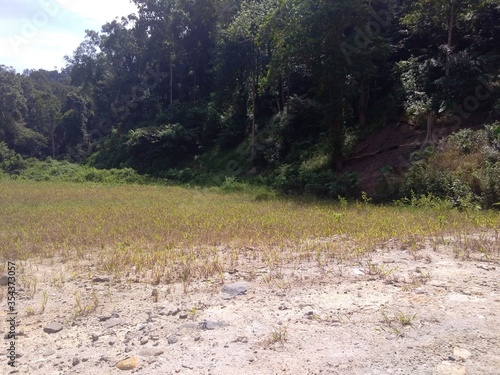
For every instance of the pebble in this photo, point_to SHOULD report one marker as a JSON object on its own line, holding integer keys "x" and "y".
{"x": 103, "y": 279}
{"x": 172, "y": 339}
{"x": 150, "y": 352}
{"x": 4, "y": 280}
{"x": 112, "y": 323}
{"x": 144, "y": 340}
{"x": 75, "y": 361}
{"x": 53, "y": 327}
{"x": 210, "y": 325}
{"x": 235, "y": 289}
{"x": 128, "y": 363}
{"x": 49, "y": 352}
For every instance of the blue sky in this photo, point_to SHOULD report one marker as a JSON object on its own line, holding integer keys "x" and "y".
{"x": 37, "y": 34}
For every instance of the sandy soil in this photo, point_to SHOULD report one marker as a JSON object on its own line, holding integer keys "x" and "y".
{"x": 392, "y": 312}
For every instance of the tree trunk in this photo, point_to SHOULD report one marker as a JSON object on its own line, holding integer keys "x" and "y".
{"x": 363, "y": 103}
{"x": 171, "y": 79}
{"x": 451, "y": 23}
{"x": 52, "y": 139}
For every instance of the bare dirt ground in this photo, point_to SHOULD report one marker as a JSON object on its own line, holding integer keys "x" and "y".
{"x": 391, "y": 312}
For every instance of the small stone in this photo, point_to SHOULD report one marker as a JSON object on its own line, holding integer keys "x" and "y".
{"x": 128, "y": 363}
{"x": 236, "y": 289}
{"x": 95, "y": 337}
{"x": 150, "y": 352}
{"x": 49, "y": 352}
{"x": 112, "y": 323}
{"x": 53, "y": 327}
{"x": 144, "y": 340}
{"x": 103, "y": 279}
{"x": 75, "y": 361}
{"x": 183, "y": 316}
{"x": 210, "y": 325}
{"x": 172, "y": 339}
{"x": 4, "y": 280}
{"x": 242, "y": 339}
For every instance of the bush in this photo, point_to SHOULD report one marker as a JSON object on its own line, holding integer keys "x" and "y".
{"x": 11, "y": 162}
{"x": 54, "y": 170}
{"x": 293, "y": 180}
{"x": 465, "y": 171}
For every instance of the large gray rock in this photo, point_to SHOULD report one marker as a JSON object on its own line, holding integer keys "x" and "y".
{"x": 235, "y": 289}
{"x": 53, "y": 327}
{"x": 211, "y": 325}
{"x": 112, "y": 323}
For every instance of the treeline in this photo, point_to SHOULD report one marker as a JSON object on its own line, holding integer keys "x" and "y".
{"x": 280, "y": 88}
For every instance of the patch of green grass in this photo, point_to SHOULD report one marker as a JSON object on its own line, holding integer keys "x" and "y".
{"x": 177, "y": 234}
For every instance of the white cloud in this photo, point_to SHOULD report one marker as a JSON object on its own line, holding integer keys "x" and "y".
{"x": 99, "y": 12}
{"x": 39, "y": 36}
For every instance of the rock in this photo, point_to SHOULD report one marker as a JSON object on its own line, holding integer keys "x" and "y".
{"x": 4, "y": 280}
{"x": 95, "y": 337}
{"x": 461, "y": 353}
{"x": 128, "y": 363}
{"x": 144, "y": 340}
{"x": 103, "y": 279}
{"x": 150, "y": 352}
{"x": 235, "y": 289}
{"x": 242, "y": 339}
{"x": 49, "y": 352}
{"x": 75, "y": 361}
{"x": 358, "y": 272}
{"x": 112, "y": 323}
{"x": 172, "y": 339}
{"x": 183, "y": 316}
{"x": 170, "y": 312}
{"x": 53, "y": 327}
{"x": 211, "y": 325}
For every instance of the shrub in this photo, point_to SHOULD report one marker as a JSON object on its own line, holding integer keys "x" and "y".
{"x": 466, "y": 170}
{"x": 293, "y": 180}
{"x": 10, "y": 161}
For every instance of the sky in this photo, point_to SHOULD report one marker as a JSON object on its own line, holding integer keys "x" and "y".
{"x": 37, "y": 34}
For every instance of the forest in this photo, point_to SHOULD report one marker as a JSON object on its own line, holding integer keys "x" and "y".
{"x": 274, "y": 92}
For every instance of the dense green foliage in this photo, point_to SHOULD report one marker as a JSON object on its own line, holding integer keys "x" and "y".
{"x": 465, "y": 170}
{"x": 273, "y": 90}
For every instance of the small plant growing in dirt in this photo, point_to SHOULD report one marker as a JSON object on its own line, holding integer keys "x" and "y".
{"x": 84, "y": 310}
{"x": 381, "y": 270}
{"x": 278, "y": 335}
{"x": 403, "y": 319}
{"x": 406, "y": 319}
{"x": 43, "y": 304}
